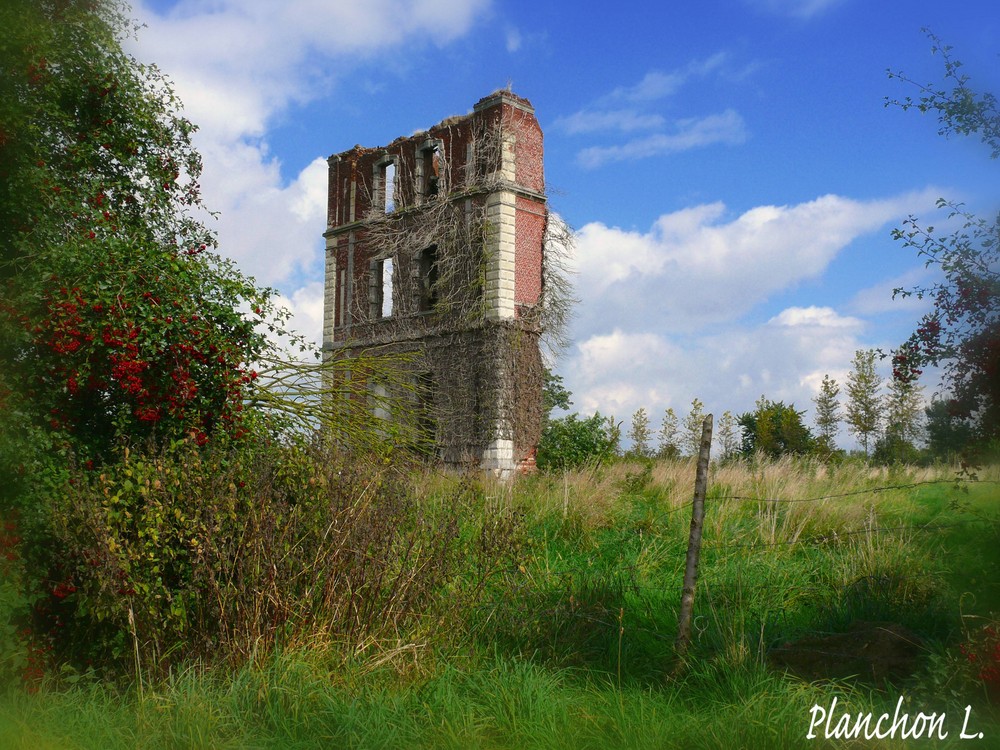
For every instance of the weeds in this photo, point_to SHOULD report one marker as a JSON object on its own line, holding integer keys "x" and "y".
{"x": 542, "y": 613}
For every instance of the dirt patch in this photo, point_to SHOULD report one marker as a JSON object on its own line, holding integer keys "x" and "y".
{"x": 870, "y": 651}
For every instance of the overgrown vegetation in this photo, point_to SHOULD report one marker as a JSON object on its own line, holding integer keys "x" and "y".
{"x": 160, "y": 495}
{"x": 555, "y": 625}
{"x": 181, "y": 563}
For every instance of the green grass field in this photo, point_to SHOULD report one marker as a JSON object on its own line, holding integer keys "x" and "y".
{"x": 571, "y": 644}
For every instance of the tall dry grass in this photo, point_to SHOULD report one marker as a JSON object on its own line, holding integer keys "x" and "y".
{"x": 790, "y": 497}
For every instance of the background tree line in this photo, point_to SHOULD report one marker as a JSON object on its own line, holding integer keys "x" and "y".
{"x": 889, "y": 418}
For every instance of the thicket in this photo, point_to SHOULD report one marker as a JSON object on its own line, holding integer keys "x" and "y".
{"x": 161, "y": 497}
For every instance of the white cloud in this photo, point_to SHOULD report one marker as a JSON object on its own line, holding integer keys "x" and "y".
{"x": 237, "y": 65}
{"x": 273, "y": 230}
{"x": 625, "y": 120}
{"x": 306, "y": 306}
{"x": 657, "y": 84}
{"x": 625, "y": 110}
{"x": 727, "y": 128}
{"x": 619, "y": 372}
{"x": 662, "y": 318}
{"x": 818, "y": 317}
{"x": 697, "y": 266}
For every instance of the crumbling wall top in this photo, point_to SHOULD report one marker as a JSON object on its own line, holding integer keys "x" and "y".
{"x": 498, "y": 97}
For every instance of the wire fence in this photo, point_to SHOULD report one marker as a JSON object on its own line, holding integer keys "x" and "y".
{"x": 610, "y": 598}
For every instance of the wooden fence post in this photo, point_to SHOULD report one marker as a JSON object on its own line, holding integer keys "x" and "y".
{"x": 694, "y": 543}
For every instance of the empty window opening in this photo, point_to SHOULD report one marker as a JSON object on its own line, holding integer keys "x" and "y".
{"x": 428, "y": 268}
{"x": 389, "y": 186}
{"x": 380, "y": 405}
{"x": 380, "y": 289}
{"x": 431, "y": 170}
{"x": 387, "y": 288}
{"x": 426, "y": 424}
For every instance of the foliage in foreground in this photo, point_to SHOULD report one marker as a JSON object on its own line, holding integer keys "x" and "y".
{"x": 219, "y": 553}
{"x": 119, "y": 320}
{"x": 156, "y": 498}
{"x": 570, "y": 643}
{"x": 962, "y": 331}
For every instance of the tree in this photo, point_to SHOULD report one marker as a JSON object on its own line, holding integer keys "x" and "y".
{"x": 121, "y": 322}
{"x": 827, "y": 413}
{"x": 775, "y": 430}
{"x": 570, "y": 442}
{"x": 904, "y": 407}
{"x": 962, "y": 332}
{"x": 640, "y": 434}
{"x": 864, "y": 406}
{"x": 729, "y": 441}
{"x": 127, "y": 392}
{"x": 667, "y": 444}
{"x": 691, "y": 433}
{"x": 120, "y": 327}
{"x": 554, "y": 394}
{"x": 947, "y": 434}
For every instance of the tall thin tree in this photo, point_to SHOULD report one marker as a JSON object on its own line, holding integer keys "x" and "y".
{"x": 904, "y": 407}
{"x": 827, "y": 412}
{"x": 667, "y": 447}
{"x": 728, "y": 436}
{"x": 639, "y": 433}
{"x": 863, "y": 412}
{"x": 691, "y": 432}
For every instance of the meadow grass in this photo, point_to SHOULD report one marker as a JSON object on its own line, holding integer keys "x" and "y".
{"x": 572, "y": 646}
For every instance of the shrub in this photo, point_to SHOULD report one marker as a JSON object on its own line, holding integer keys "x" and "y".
{"x": 119, "y": 320}
{"x": 982, "y": 654}
{"x": 220, "y": 552}
{"x": 774, "y": 429}
{"x": 571, "y": 442}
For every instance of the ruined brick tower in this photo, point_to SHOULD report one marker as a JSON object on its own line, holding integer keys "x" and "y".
{"x": 434, "y": 247}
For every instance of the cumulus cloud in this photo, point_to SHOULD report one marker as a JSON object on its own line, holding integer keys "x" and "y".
{"x": 727, "y": 128}
{"x": 619, "y": 372}
{"x": 665, "y": 318}
{"x": 252, "y": 58}
{"x": 306, "y": 306}
{"x": 272, "y": 228}
{"x": 699, "y": 266}
{"x": 816, "y": 317}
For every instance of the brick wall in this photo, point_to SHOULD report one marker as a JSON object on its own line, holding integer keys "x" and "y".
{"x": 516, "y": 226}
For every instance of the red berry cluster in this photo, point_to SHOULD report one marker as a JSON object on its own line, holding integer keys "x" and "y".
{"x": 177, "y": 367}
{"x": 983, "y": 652}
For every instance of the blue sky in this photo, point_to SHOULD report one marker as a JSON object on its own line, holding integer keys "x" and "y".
{"x": 730, "y": 166}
